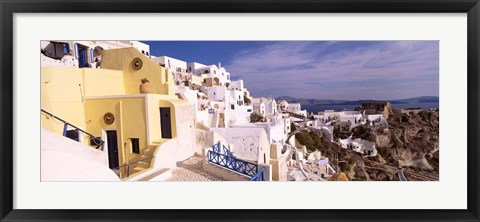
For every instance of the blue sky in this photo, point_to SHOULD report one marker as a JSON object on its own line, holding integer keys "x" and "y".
{"x": 319, "y": 69}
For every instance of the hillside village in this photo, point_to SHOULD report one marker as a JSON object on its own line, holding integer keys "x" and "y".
{"x": 111, "y": 111}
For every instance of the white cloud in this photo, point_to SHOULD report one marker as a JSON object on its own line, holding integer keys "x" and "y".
{"x": 339, "y": 69}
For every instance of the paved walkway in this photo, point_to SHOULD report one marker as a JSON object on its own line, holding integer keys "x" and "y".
{"x": 191, "y": 170}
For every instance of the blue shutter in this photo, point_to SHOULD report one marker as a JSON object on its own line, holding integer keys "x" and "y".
{"x": 75, "y": 47}
{"x": 66, "y": 48}
{"x": 92, "y": 60}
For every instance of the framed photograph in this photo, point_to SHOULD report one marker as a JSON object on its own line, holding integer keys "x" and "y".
{"x": 248, "y": 111}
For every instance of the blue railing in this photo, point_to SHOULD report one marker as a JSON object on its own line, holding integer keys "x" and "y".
{"x": 229, "y": 162}
{"x": 226, "y": 151}
{"x": 216, "y": 148}
{"x": 127, "y": 165}
{"x": 258, "y": 176}
{"x": 99, "y": 142}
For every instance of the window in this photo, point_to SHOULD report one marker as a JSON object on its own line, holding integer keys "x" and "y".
{"x": 56, "y": 50}
{"x": 249, "y": 110}
{"x": 206, "y": 71}
{"x": 189, "y": 69}
{"x": 73, "y": 134}
{"x": 232, "y": 106}
{"x": 135, "y": 145}
{"x": 95, "y": 141}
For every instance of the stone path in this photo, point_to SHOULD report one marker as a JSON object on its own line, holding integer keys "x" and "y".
{"x": 191, "y": 170}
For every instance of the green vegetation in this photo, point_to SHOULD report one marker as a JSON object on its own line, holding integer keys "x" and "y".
{"x": 315, "y": 142}
{"x": 379, "y": 106}
{"x": 255, "y": 117}
{"x": 341, "y": 131}
{"x": 246, "y": 100}
{"x": 363, "y": 132}
{"x": 425, "y": 115}
{"x": 292, "y": 127}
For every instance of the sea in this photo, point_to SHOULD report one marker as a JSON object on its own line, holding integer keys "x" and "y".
{"x": 320, "y": 107}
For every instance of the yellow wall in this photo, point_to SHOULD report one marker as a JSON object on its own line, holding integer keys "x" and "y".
{"x": 132, "y": 120}
{"x": 83, "y": 96}
{"x": 129, "y": 122}
{"x": 63, "y": 91}
{"x": 155, "y": 102}
{"x": 121, "y": 59}
{"x": 208, "y": 82}
{"x": 102, "y": 82}
{"x": 197, "y": 80}
{"x": 61, "y": 95}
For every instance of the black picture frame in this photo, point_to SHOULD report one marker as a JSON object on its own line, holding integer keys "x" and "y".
{"x": 10, "y": 7}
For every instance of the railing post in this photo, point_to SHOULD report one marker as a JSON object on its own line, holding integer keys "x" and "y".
{"x": 128, "y": 170}
{"x": 65, "y": 125}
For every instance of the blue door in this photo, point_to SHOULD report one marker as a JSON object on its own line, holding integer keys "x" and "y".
{"x": 165, "y": 122}
{"x": 112, "y": 149}
{"x": 82, "y": 57}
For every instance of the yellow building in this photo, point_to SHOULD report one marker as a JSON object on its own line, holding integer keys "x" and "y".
{"x": 107, "y": 103}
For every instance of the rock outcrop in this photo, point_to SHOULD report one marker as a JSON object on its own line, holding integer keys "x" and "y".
{"x": 410, "y": 143}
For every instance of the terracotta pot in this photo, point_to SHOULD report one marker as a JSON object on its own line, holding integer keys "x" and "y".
{"x": 145, "y": 88}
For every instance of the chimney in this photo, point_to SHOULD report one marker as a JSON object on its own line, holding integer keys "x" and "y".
{"x": 219, "y": 65}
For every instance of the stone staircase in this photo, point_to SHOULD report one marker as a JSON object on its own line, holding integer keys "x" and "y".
{"x": 147, "y": 153}
{"x": 151, "y": 175}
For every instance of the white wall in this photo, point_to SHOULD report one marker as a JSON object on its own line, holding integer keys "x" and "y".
{"x": 216, "y": 93}
{"x": 271, "y": 107}
{"x": 172, "y": 63}
{"x": 237, "y": 84}
{"x": 142, "y": 47}
{"x": 184, "y": 145}
{"x": 359, "y": 145}
{"x": 294, "y": 107}
{"x": 236, "y": 96}
{"x": 190, "y": 95}
{"x": 63, "y": 159}
{"x": 205, "y": 118}
{"x": 241, "y": 114}
{"x": 192, "y": 66}
{"x": 374, "y": 117}
{"x": 249, "y": 144}
{"x": 259, "y": 108}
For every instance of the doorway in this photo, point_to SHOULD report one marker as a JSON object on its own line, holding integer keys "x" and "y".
{"x": 112, "y": 145}
{"x": 82, "y": 56}
{"x": 165, "y": 122}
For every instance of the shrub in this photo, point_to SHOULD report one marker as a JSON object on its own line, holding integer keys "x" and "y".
{"x": 255, "y": 117}
{"x": 292, "y": 127}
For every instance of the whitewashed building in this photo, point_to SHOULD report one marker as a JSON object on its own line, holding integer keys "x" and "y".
{"x": 82, "y": 54}
{"x": 364, "y": 147}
